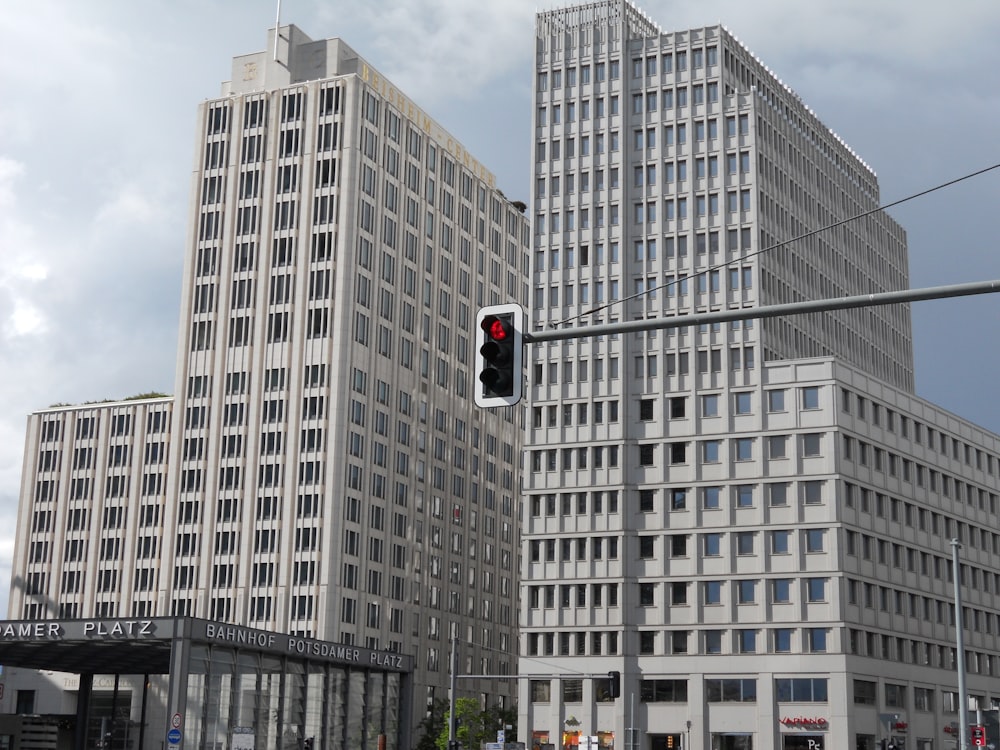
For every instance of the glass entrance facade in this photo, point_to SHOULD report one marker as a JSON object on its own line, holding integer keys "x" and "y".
{"x": 183, "y": 683}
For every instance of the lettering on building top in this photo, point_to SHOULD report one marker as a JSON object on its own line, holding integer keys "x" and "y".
{"x": 227, "y": 635}
{"x": 55, "y": 630}
{"x": 306, "y": 647}
{"x": 381, "y": 86}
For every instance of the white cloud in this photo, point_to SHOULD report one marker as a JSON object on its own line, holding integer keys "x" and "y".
{"x": 20, "y": 267}
{"x": 440, "y": 49}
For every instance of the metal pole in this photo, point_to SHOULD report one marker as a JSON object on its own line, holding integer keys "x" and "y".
{"x": 770, "y": 311}
{"x": 963, "y": 693}
{"x": 451, "y": 692}
{"x": 277, "y": 29}
{"x": 633, "y": 740}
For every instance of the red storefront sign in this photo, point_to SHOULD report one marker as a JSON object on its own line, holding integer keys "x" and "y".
{"x": 811, "y": 722}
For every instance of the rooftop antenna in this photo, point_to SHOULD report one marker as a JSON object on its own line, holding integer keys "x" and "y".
{"x": 277, "y": 30}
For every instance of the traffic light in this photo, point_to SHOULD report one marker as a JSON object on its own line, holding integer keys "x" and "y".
{"x": 500, "y": 350}
{"x": 614, "y": 684}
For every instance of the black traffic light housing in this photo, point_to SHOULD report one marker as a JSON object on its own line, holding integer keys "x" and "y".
{"x": 499, "y": 355}
{"x": 614, "y": 684}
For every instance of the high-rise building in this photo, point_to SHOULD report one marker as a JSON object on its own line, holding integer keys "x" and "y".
{"x": 321, "y": 469}
{"x": 742, "y": 529}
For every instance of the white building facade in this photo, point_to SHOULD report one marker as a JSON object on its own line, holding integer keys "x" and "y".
{"x": 749, "y": 522}
{"x": 321, "y": 469}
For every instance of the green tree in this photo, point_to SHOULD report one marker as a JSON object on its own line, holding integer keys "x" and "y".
{"x": 477, "y": 726}
{"x": 431, "y": 724}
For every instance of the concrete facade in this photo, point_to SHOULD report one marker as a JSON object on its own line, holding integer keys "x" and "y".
{"x": 748, "y": 521}
{"x": 321, "y": 469}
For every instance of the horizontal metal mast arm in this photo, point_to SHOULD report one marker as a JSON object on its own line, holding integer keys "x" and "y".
{"x": 546, "y": 676}
{"x": 771, "y": 311}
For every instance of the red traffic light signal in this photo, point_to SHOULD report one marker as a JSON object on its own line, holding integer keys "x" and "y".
{"x": 500, "y": 347}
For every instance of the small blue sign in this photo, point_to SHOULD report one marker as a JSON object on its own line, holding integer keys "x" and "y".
{"x": 174, "y": 736}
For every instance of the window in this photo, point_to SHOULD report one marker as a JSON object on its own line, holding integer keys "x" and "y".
{"x": 775, "y": 401}
{"x": 777, "y": 493}
{"x": 713, "y": 592}
{"x": 742, "y": 402}
{"x": 810, "y": 397}
{"x": 815, "y": 539}
{"x": 731, "y": 691}
{"x": 710, "y": 405}
{"x": 646, "y": 409}
{"x": 744, "y": 449}
{"x": 744, "y": 496}
{"x": 923, "y": 699}
{"x": 647, "y": 546}
{"x": 710, "y": 451}
{"x": 678, "y": 545}
{"x": 801, "y": 689}
{"x": 864, "y": 692}
{"x": 572, "y": 691}
{"x": 777, "y": 446}
{"x": 664, "y": 691}
{"x": 647, "y": 454}
{"x": 812, "y": 492}
{"x": 679, "y": 642}
{"x": 678, "y": 498}
{"x": 647, "y": 500}
{"x": 782, "y": 640}
{"x": 678, "y": 592}
{"x": 746, "y": 592}
{"x": 678, "y": 453}
{"x": 779, "y": 541}
{"x": 710, "y": 498}
{"x": 713, "y": 641}
{"x": 781, "y": 590}
{"x": 677, "y": 406}
{"x": 811, "y": 444}
{"x": 712, "y": 544}
{"x": 744, "y": 542}
{"x": 746, "y": 641}
{"x": 816, "y": 639}
{"x": 647, "y": 594}
{"x": 895, "y": 695}
{"x": 541, "y": 691}
{"x": 816, "y": 589}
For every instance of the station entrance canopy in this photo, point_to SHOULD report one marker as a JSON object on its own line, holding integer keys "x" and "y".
{"x": 223, "y": 686}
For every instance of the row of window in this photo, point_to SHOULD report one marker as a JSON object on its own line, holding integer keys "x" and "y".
{"x": 87, "y": 427}
{"x": 668, "y": 62}
{"x": 900, "y": 650}
{"x": 900, "y": 511}
{"x": 676, "y": 97}
{"x": 675, "y": 453}
{"x": 881, "y": 460}
{"x": 646, "y": 250}
{"x": 710, "y": 497}
{"x": 811, "y": 540}
{"x": 741, "y": 591}
{"x": 675, "y": 690}
{"x": 602, "y": 71}
{"x": 878, "y": 415}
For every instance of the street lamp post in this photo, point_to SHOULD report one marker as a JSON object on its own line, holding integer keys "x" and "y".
{"x": 963, "y": 693}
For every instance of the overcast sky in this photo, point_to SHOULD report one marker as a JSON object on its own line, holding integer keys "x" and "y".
{"x": 97, "y": 108}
